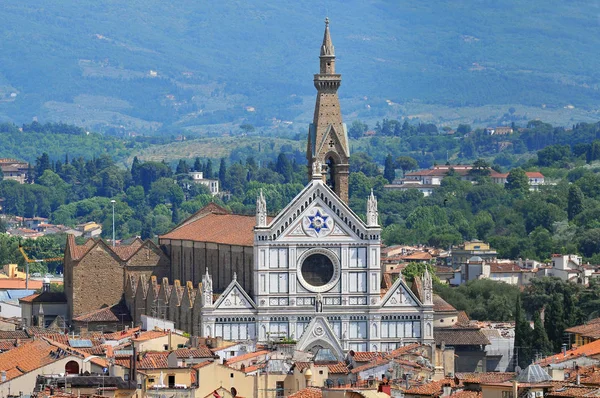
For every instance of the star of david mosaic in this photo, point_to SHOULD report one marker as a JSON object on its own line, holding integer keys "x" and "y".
{"x": 318, "y": 221}
{"x": 318, "y": 224}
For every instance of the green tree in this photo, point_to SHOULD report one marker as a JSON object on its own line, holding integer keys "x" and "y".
{"x": 539, "y": 338}
{"x": 517, "y": 182}
{"x": 247, "y": 128}
{"x": 522, "y": 348}
{"x": 406, "y": 163}
{"x": 208, "y": 169}
{"x": 223, "y": 172}
{"x": 575, "y": 202}
{"x": 554, "y": 321}
{"x": 389, "y": 171}
{"x": 357, "y": 129}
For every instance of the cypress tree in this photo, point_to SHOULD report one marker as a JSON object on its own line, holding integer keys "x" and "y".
{"x": 208, "y": 171}
{"x": 522, "y": 350}
{"x": 539, "y": 338}
{"x": 554, "y": 321}
{"x": 574, "y": 202}
{"x": 223, "y": 172}
{"x": 389, "y": 171}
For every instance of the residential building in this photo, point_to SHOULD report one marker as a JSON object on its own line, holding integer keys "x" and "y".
{"x": 41, "y": 309}
{"x": 90, "y": 229}
{"x": 461, "y": 254}
{"x": 428, "y": 180}
{"x": 584, "y": 334}
{"x": 211, "y": 184}
{"x": 13, "y": 169}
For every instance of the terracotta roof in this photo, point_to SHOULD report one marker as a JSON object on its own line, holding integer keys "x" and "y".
{"x": 459, "y": 336}
{"x": 202, "y": 364}
{"x": 246, "y": 356}
{"x": 217, "y": 228}
{"x": 431, "y": 389}
{"x": 28, "y": 357}
{"x": 10, "y": 344}
{"x": 591, "y": 329}
{"x": 365, "y": 356}
{"x": 338, "y": 368}
{"x": 403, "y": 350}
{"x": 507, "y": 267}
{"x": 147, "y": 360}
{"x": 308, "y": 392}
{"x": 589, "y": 349}
{"x": 201, "y": 351}
{"x": 443, "y": 269}
{"x": 463, "y": 318}
{"x": 467, "y": 394}
{"x": 115, "y": 313}
{"x": 149, "y": 335}
{"x": 379, "y": 362}
{"x": 19, "y": 283}
{"x": 485, "y": 377}
{"x": 44, "y": 297}
{"x": 440, "y": 305}
{"x": 13, "y": 334}
{"x": 122, "y": 334}
{"x": 423, "y": 256}
{"x": 124, "y": 252}
{"x": 591, "y": 378}
{"x": 574, "y": 391}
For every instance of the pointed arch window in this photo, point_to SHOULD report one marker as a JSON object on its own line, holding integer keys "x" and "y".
{"x": 330, "y": 181}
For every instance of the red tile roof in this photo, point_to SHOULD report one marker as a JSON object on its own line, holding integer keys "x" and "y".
{"x": 574, "y": 391}
{"x": 338, "y": 368}
{"x": 149, "y": 335}
{"x": 460, "y": 336}
{"x": 201, "y": 351}
{"x": 421, "y": 256}
{"x": 440, "y": 305}
{"x": 246, "y": 356}
{"x": 431, "y": 389}
{"x": 591, "y": 329}
{"x": 44, "y": 297}
{"x": 308, "y": 392}
{"x": 217, "y": 228}
{"x": 19, "y": 283}
{"x": 485, "y": 377}
{"x": 28, "y": 357}
{"x": 115, "y": 313}
{"x": 589, "y": 349}
{"x": 365, "y": 356}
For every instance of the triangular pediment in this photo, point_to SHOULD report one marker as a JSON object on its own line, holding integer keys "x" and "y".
{"x": 319, "y": 333}
{"x": 234, "y": 298}
{"x": 317, "y": 212}
{"x": 400, "y": 295}
{"x": 331, "y": 140}
{"x": 317, "y": 222}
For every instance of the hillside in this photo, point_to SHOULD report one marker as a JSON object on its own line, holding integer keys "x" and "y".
{"x": 162, "y": 66}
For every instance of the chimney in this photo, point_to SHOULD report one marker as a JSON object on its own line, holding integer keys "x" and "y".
{"x": 385, "y": 388}
{"x": 446, "y": 390}
{"x": 564, "y": 350}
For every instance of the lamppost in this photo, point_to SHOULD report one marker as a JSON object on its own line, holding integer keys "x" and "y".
{"x": 113, "y": 206}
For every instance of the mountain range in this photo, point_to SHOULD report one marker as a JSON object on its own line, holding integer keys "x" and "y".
{"x": 197, "y": 65}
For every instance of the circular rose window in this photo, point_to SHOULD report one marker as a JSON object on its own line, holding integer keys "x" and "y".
{"x": 319, "y": 270}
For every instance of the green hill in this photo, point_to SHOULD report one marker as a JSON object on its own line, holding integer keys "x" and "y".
{"x": 156, "y": 65}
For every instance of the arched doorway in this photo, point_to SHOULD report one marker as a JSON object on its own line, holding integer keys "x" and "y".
{"x": 72, "y": 368}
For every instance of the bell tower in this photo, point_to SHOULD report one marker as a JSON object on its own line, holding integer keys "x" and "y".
{"x": 327, "y": 135}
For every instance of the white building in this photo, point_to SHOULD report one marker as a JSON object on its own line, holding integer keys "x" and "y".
{"x": 198, "y": 178}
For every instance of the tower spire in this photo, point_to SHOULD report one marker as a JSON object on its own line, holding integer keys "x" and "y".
{"x": 327, "y": 47}
{"x": 328, "y": 136}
